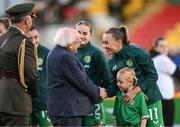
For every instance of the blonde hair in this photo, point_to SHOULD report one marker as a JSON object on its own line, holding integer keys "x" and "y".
{"x": 129, "y": 73}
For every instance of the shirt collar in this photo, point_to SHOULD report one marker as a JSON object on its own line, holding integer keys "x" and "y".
{"x": 22, "y": 32}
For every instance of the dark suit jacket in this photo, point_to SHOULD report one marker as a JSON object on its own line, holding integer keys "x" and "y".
{"x": 70, "y": 91}
{"x": 13, "y": 97}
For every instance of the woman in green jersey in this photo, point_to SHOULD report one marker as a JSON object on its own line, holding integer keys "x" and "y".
{"x": 124, "y": 54}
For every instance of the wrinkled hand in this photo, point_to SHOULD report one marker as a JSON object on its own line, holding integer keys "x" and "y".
{"x": 103, "y": 93}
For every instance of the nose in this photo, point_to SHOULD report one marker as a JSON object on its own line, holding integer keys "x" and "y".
{"x": 81, "y": 37}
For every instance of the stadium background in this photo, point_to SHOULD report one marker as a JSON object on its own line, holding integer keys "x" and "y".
{"x": 145, "y": 19}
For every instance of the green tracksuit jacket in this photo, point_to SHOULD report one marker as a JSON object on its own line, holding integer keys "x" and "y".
{"x": 95, "y": 65}
{"x": 137, "y": 58}
{"x": 40, "y": 103}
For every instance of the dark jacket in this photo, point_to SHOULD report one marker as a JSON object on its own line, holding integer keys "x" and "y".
{"x": 14, "y": 99}
{"x": 70, "y": 91}
{"x": 95, "y": 65}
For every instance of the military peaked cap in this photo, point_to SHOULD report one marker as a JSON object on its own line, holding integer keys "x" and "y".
{"x": 20, "y": 10}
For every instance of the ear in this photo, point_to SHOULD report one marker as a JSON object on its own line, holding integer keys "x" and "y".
{"x": 26, "y": 20}
{"x": 69, "y": 47}
{"x": 119, "y": 41}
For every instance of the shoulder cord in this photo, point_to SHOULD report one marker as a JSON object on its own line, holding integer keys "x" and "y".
{"x": 21, "y": 56}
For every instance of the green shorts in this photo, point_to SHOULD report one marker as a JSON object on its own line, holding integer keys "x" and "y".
{"x": 40, "y": 118}
{"x": 156, "y": 115}
{"x": 97, "y": 116}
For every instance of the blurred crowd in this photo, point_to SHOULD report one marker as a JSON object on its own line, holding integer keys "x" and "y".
{"x": 101, "y": 13}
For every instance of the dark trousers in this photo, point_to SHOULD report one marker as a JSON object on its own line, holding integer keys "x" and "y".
{"x": 168, "y": 112}
{"x": 12, "y": 120}
{"x": 67, "y": 121}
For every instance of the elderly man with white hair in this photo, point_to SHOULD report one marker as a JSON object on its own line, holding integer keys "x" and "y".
{"x": 70, "y": 92}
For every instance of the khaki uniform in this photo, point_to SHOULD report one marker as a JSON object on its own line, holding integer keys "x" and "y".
{"x": 18, "y": 73}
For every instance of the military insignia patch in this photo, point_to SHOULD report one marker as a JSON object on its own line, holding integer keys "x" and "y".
{"x": 87, "y": 59}
{"x": 129, "y": 63}
{"x": 40, "y": 61}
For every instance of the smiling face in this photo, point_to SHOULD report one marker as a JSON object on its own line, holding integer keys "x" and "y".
{"x": 34, "y": 36}
{"x": 126, "y": 79}
{"x": 110, "y": 45}
{"x": 123, "y": 82}
{"x": 85, "y": 33}
{"x": 73, "y": 47}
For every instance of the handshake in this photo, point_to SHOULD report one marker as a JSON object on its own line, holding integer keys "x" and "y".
{"x": 103, "y": 93}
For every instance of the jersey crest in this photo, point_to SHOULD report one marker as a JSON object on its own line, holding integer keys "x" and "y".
{"x": 40, "y": 61}
{"x": 129, "y": 63}
{"x": 87, "y": 59}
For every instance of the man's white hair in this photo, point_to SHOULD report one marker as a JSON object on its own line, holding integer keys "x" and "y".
{"x": 65, "y": 36}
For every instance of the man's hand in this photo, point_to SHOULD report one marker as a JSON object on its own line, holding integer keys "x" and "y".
{"x": 103, "y": 93}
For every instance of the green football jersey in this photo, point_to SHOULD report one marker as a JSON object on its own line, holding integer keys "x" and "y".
{"x": 130, "y": 114}
{"x": 95, "y": 64}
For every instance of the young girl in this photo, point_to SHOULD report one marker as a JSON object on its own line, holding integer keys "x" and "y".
{"x": 134, "y": 113}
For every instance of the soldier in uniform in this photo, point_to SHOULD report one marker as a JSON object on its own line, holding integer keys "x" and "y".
{"x": 18, "y": 68}
{"x": 39, "y": 104}
{"x": 97, "y": 69}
